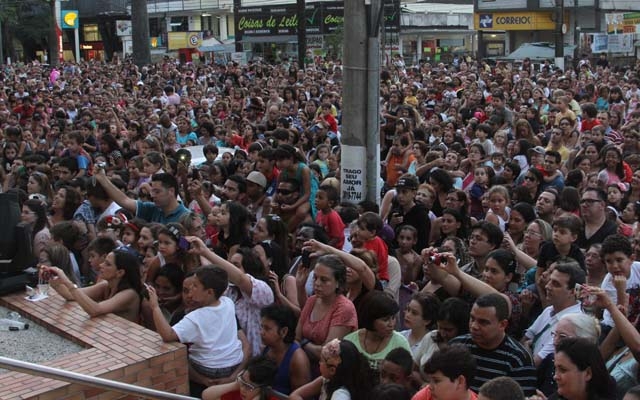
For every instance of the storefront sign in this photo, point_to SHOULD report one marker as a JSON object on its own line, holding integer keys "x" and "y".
{"x": 622, "y": 22}
{"x": 69, "y": 19}
{"x": 320, "y": 18}
{"x": 514, "y": 21}
{"x": 184, "y": 40}
{"x": 124, "y": 28}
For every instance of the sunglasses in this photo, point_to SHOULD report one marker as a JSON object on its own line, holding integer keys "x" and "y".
{"x": 284, "y": 191}
{"x": 530, "y": 178}
{"x": 246, "y": 384}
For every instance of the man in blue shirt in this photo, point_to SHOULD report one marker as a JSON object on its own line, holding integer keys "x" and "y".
{"x": 552, "y": 161}
{"x": 165, "y": 206}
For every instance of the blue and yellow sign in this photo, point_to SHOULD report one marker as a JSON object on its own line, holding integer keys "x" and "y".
{"x": 69, "y": 19}
{"x": 515, "y": 21}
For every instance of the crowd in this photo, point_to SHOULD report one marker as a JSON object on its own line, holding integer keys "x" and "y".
{"x": 500, "y": 260}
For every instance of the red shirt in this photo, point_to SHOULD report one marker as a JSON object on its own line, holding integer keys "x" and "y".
{"x": 333, "y": 225}
{"x": 588, "y": 125}
{"x": 379, "y": 247}
{"x": 425, "y": 394}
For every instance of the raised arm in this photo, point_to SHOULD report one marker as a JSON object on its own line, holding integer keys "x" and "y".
{"x": 90, "y": 298}
{"x": 163, "y": 328}
{"x": 114, "y": 193}
{"x": 236, "y": 276}
{"x": 472, "y": 285}
{"x": 357, "y": 264}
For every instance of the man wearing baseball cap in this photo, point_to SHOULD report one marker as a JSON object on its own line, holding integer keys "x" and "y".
{"x": 258, "y": 202}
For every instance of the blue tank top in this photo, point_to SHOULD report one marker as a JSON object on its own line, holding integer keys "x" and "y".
{"x": 282, "y": 383}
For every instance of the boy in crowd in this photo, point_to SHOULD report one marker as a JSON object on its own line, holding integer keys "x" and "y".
{"x": 327, "y": 197}
{"x": 623, "y": 275}
{"x": 563, "y": 243}
{"x": 96, "y": 253}
{"x": 449, "y": 370}
{"x": 369, "y": 224}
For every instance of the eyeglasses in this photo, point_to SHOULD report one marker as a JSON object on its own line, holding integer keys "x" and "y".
{"x": 532, "y": 233}
{"x": 246, "y": 384}
{"x": 559, "y": 335}
{"x": 589, "y": 201}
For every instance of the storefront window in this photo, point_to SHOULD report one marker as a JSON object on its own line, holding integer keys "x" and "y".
{"x": 90, "y": 33}
{"x": 179, "y": 24}
{"x": 156, "y": 26}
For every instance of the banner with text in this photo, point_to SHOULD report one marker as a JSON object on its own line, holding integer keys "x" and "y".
{"x": 321, "y": 18}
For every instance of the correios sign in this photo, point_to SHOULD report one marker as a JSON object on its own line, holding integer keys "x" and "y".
{"x": 514, "y": 21}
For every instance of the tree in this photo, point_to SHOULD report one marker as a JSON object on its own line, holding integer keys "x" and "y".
{"x": 333, "y": 43}
{"x": 140, "y": 32}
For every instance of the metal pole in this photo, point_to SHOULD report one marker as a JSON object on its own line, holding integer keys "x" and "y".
{"x": 559, "y": 51}
{"x": 373, "y": 101}
{"x": 302, "y": 32}
{"x": 76, "y": 33}
{"x": 101, "y": 383}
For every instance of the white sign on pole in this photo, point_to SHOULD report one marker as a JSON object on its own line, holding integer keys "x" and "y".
{"x": 124, "y": 28}
{"x": 353, "y": 173}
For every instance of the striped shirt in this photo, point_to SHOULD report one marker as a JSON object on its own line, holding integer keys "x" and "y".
{"x": 510, "y": 359}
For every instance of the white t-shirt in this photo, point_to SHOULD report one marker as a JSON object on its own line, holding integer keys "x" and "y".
{"x": 607, "y": 285}
{"x": 212, "y": 333}
{"x": 540, "y": 330}
{"x": 424, "y": 349}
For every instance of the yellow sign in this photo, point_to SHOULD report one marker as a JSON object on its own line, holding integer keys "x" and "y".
{"x": 69, "y": 19}
{"x": 184, "y": 40}
{"x": 514, "y": 21}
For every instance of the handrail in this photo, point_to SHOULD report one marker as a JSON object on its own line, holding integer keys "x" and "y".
{"x": 93, "y": 381}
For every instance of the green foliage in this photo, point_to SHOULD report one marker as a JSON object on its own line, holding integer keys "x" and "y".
{"x": 26, "y": 21}
{"x": 333, "y": 44}
{"x": 33, "y": 23}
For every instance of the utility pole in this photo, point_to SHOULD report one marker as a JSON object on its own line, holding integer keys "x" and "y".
{"x": 360, "y": 161}
{"x": 140, "y": 32}
{"x": 559, "y": 51}
{"x": 302, "y": 32}
{"x": 236, "y": 7}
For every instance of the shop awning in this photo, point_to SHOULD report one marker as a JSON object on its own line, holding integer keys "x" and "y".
{"x": 537, "y": 52}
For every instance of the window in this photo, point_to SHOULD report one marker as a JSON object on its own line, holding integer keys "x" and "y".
{"x": 179, "y": 24}
{"x": 90, "y": 33}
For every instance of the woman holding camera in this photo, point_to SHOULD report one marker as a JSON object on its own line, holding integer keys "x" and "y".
{"x": 118, "y": 290}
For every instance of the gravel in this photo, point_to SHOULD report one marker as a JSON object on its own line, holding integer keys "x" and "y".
{"x": 35, "y": 344}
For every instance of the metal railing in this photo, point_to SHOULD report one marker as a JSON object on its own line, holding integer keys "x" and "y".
{"x": 101, "y": 383}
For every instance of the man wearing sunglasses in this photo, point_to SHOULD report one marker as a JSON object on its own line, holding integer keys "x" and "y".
{"x": 288, "y": 193}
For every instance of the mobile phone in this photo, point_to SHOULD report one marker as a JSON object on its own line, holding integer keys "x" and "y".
{"x": 305, "y": 259}
{"x": 145, "y": 291}
{"x": 184, "y": 244}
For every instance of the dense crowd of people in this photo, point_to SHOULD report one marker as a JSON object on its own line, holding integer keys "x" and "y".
{"x": 499, "y": 261}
